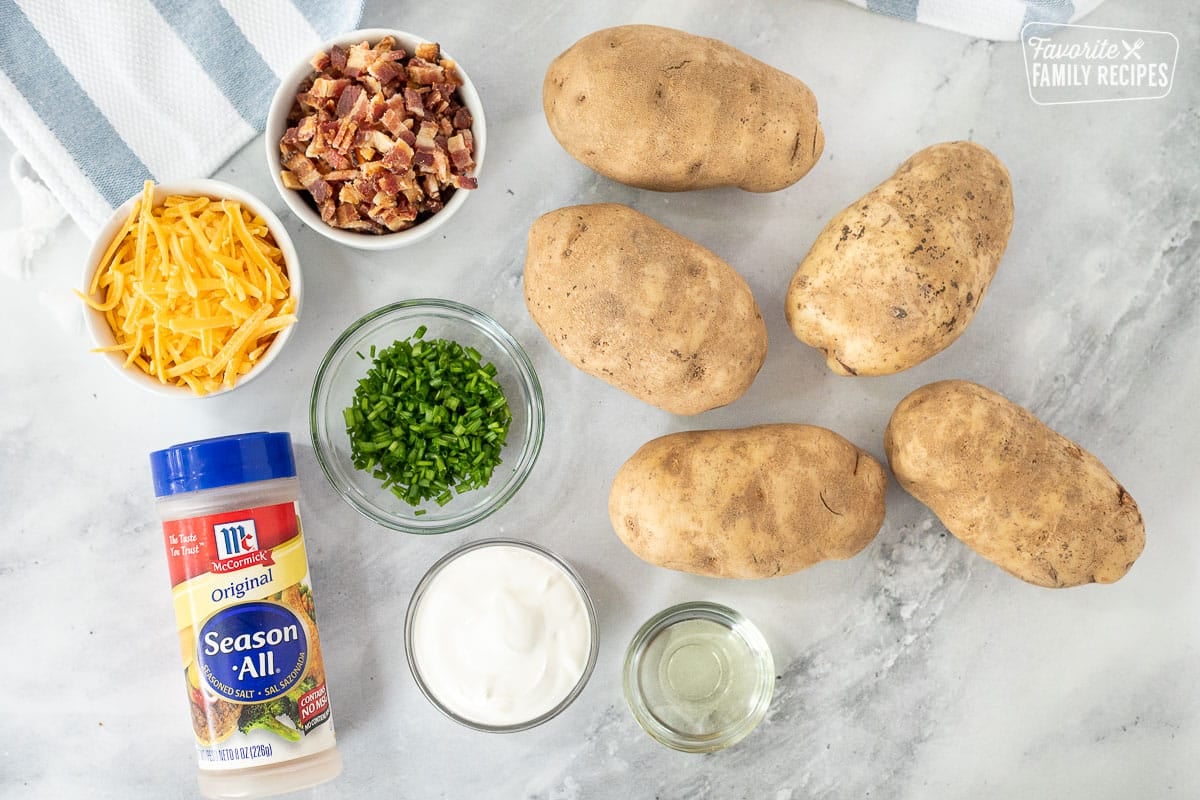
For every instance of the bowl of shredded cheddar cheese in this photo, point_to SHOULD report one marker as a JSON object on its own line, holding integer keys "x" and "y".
{"x": 192, "y": 288}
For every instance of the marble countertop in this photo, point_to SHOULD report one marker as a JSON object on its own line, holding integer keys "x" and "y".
{"x": 913, "y": 670}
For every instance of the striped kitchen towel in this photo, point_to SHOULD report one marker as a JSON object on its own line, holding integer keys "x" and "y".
{"x": 101, "y": 96}
{"x": 984, "y": 19}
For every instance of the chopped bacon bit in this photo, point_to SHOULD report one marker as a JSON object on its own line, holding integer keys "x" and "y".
{"x": 346, "y": 212}
{"x": 378, "y": 107}
{"x": 336, "y": 160}
{"x": 362, "y": 108}
{"x": 349, "y": 194}
{"x": 441, "y": 166}
{"x": 347, "y": 100}
{"x": 459, "y": 154}
{"x": 414, "y": 103}
{"x": 393, "y": 120}
{"x": 328, "y": 209}
{"x": 431, "y": 185}
{"x": 326, "y": 132}
{"x": 379, "y": 139}
{"x": 366, "y": 189}
{"x": 373, "y": 85}
{"x": 400, "y": 158}
{"x": 384, "y": 71}
{"x": 380, "y": 142}
{"x": 303, "y": 168}
{"x": 364, "y": 225}
{"x": 421, "y": 71}
{"x": 357, "y": 60}
{"x": 325, "y": 88}
{"x": 370, "y": 169}
{"x": 433, "y": 102}
{"x": 394, "y": 219}
{"x": 345, "y": 135}
{"x": 306, "y": 129}
{"x": 306, "y": 172}
{"x": 425, "y": 140}
{"x": 389, "y": 186}
{"x": 337, "y": 59}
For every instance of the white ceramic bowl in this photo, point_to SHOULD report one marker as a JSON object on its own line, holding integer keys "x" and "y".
{"x": 97, "y": 325}
{"x": 281, "y": 106}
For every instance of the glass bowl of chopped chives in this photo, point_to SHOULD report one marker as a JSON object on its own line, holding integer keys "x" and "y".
{"x": 426, "y": 416}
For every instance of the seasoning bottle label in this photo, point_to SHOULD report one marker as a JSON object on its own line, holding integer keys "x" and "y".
{"x": 248, "y": 634}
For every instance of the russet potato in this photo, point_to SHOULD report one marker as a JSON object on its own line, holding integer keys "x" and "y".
{"x": 662, "y": 109}
{"x": 897, "y": 276}
{"x": 642, "y": 307}
{"x": 748, "y": 503}
{"x": 1021, "y": 495}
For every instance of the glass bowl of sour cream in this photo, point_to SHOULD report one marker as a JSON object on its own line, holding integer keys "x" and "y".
{"x": 501, "y": 635}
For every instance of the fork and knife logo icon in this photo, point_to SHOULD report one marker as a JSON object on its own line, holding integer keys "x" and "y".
{"x": 1132, "y": 49}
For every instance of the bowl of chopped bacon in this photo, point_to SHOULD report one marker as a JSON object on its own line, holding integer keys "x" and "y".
{"x": 376, "y": 141}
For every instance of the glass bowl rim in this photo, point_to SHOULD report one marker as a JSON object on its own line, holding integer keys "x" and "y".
{"x": 531, "y": 445}
{"x": 576, "y": 581}
{"x": 736, "y": 622}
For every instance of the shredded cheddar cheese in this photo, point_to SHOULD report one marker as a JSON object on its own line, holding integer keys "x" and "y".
{"x": 194, "y": 290}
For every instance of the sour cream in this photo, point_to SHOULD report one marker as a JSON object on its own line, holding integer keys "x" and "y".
{"x": 500, "y": 634}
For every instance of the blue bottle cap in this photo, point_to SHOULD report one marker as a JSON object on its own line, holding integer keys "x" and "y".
{"x": 223, "y": 461}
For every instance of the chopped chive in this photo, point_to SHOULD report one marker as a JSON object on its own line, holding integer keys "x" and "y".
{"x": 428, "y": 420}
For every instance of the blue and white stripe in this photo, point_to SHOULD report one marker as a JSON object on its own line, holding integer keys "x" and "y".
{"x": 166, "y": 89}
{"x": 984, "y": 19}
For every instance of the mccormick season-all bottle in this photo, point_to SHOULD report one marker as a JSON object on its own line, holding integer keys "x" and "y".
{"x": 252, "y": 665}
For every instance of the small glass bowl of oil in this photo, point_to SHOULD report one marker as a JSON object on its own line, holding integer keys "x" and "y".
{"x": 698, "y": 677}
